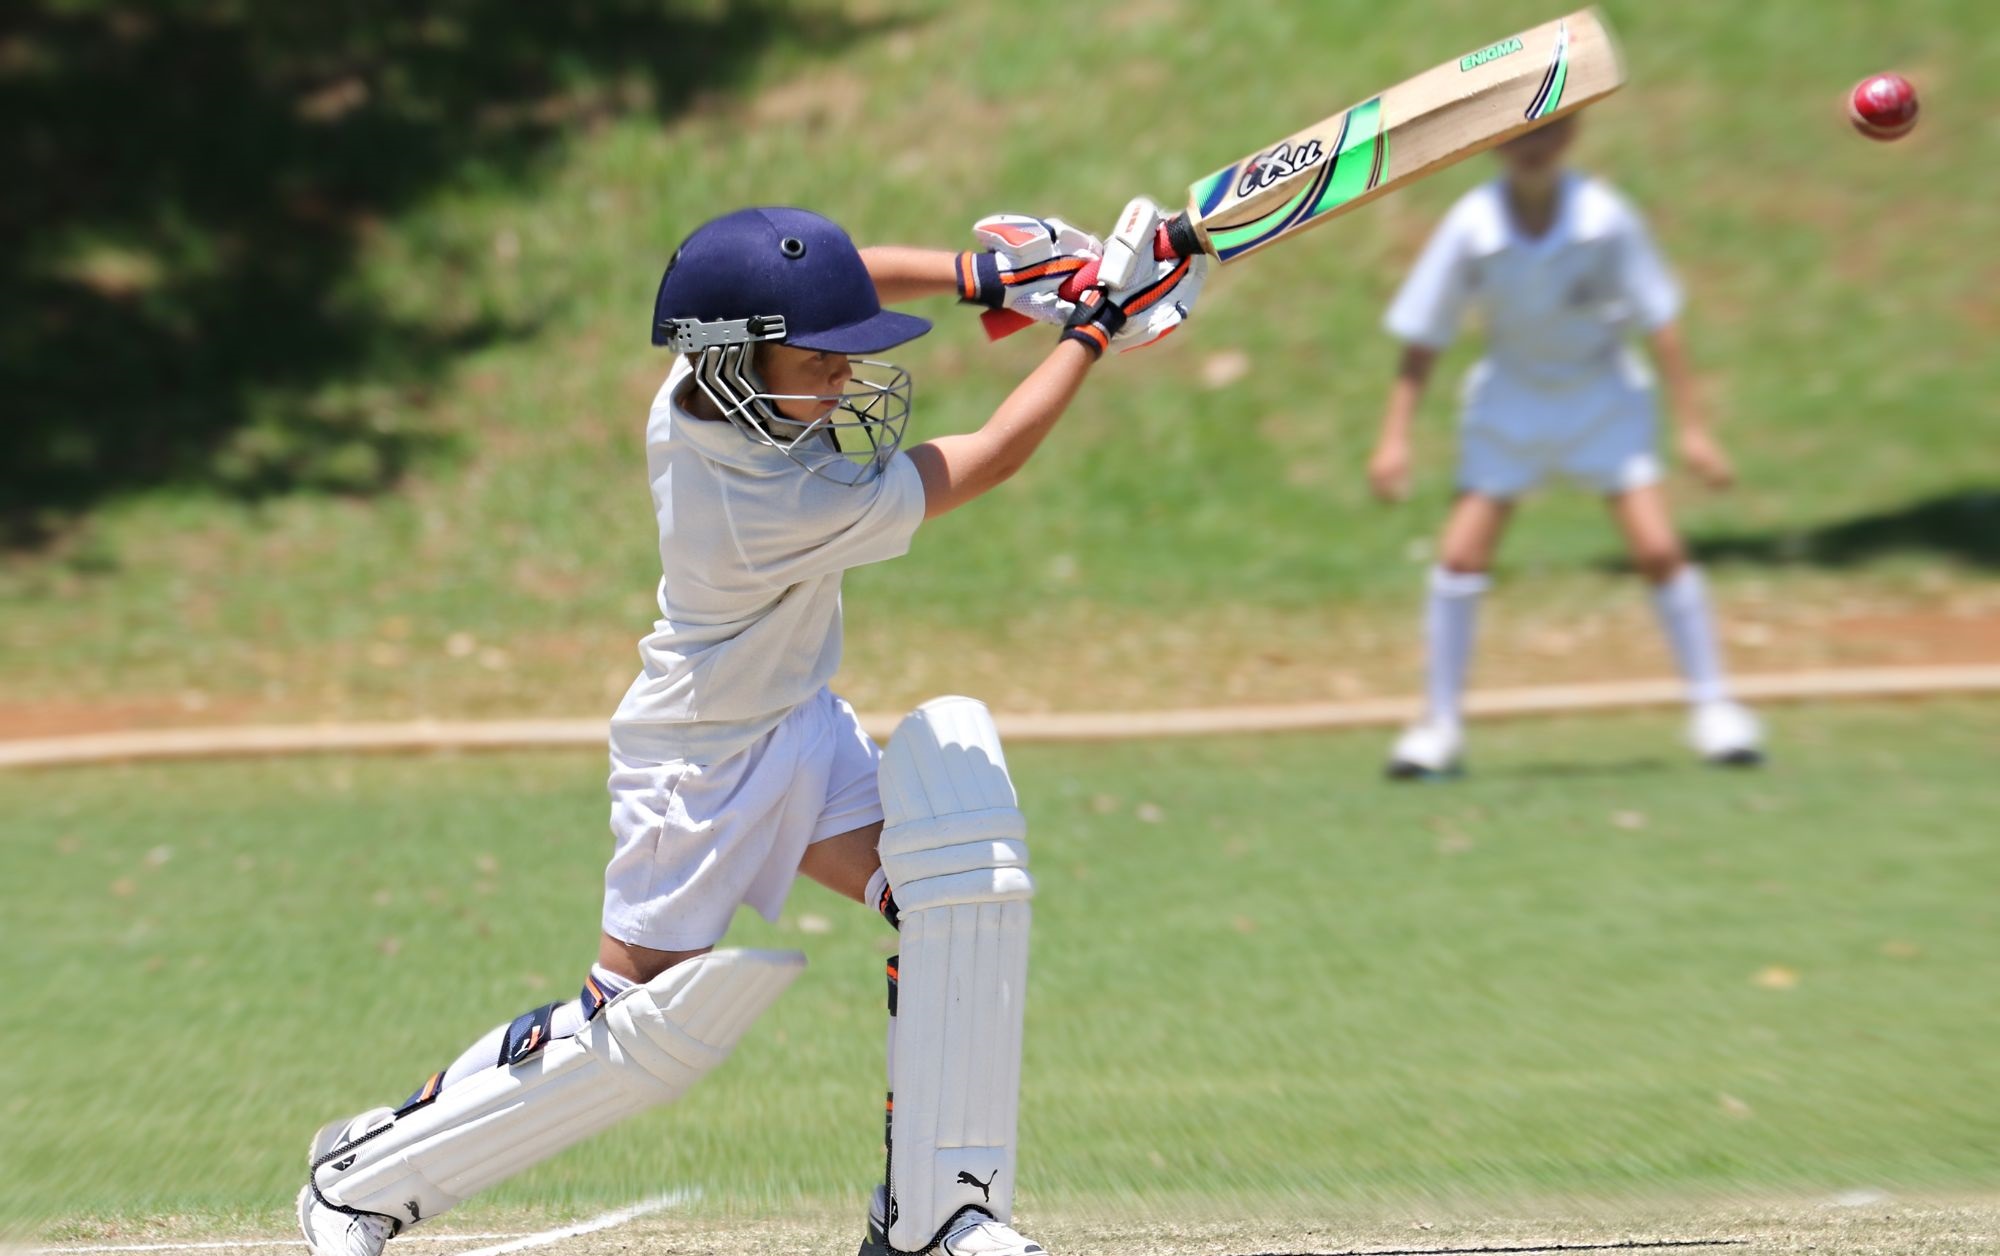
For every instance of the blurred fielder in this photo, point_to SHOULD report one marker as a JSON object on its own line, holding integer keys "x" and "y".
{"x": 1562, "y": 271}
{"x": 774, "y": 454}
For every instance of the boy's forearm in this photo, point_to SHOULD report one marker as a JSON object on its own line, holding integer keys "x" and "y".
{"x": 1677, "y": 377}
{"x": 902, "y": 273}
{"x": 1401, "y": 411}
{"x": 958, "y": 468}
{"x": 1413, "y": 374}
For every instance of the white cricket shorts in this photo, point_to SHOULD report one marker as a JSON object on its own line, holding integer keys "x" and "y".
{"x": 692, "y": 842}
{"x": 1600, "y": 433}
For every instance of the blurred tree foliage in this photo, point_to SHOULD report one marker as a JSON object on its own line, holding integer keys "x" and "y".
{"x": 187, "y": 183}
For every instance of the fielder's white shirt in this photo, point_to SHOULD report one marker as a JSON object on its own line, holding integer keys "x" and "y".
{"x": 751, "y": 551}
{"x": 1558, "y": 310}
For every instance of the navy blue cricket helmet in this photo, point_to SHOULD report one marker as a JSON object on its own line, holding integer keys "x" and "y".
{"x": 785, "y": 263}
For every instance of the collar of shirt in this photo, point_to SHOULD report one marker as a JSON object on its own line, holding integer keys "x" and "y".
{"x": 1584, "y": 211}
{"x": 717, "y": 440}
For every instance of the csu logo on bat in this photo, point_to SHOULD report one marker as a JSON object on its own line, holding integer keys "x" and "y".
{"x": 1282, "y": 162}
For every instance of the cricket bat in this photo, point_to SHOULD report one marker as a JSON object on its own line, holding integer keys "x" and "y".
{"x": 1416, "y": 128}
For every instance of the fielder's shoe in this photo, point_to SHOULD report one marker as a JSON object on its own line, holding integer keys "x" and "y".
{"x": 971, "y": 1233}
{"x": 1427, "y": 751}
{"x": 328, "y": 1230}
{"x": 1726, "y": 734}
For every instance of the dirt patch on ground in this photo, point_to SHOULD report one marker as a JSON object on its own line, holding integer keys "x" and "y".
{"x": 58, "y": 718}
{"x": 1920, "y": 638}
{"x": 1081, "y": 660}
{"x": 1100, "y": 661}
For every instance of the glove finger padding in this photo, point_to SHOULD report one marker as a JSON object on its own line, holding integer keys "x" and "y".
{"x": 1023, "y": 262}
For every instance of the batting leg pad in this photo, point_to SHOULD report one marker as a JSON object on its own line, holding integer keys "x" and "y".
{"x": 953, "y": 846}
{"x": 647, "y": 1047}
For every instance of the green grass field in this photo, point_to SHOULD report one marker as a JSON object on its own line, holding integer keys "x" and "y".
{"x": 1265, "y": 985}
{"x": 442, "y": 509}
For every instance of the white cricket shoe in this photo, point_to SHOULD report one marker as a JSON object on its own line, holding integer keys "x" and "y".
{"x": 1726, "y": 734}
{"x": 971, "y": 1233}
{"x": 1428, "y": 750}
{"x": 328, "y": 1230}
{"x": 980, "y": 1235}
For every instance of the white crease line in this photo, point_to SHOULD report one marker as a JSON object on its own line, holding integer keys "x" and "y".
{"x": 515, "y": 1243}
{"x": 619, "y": 1217}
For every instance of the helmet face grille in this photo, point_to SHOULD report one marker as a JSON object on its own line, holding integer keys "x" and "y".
{"x": 850, "y": 444}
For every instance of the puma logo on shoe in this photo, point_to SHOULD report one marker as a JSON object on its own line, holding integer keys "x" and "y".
{"x": 985, "y": 1188}
{"x": 415, "y": 1216}
{"x": 343, "y": 1164}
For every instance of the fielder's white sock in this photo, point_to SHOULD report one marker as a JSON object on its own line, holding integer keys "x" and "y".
{"x": 1451, "y": 625}
{"x": 1682, "y": 603}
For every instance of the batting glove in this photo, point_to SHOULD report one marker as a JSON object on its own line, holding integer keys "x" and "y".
{"x": 1159, "y": 301}
{"x": 1162, "y": 286}
{"x": 1145, "y": 313}
{"x": 1020, "y": 265}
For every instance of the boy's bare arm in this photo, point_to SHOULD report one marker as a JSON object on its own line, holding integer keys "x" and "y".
{"x": 1696, "y": 441}
{"x": 1389, "y": 466}
{"x": 956, "y": 469}
{"x": 902, "y": 273}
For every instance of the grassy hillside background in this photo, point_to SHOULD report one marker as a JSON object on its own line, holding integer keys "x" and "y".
{"x": 331, "y": 364}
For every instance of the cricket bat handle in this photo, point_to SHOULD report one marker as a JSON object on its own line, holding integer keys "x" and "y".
{"x": 1175, "y": 238}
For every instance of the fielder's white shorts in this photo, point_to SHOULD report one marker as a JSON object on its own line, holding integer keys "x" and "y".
{"x": 1599, "y": 433}
{"x": 692, "y": 842}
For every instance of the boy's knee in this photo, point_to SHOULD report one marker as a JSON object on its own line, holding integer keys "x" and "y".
{"x": 1465, "y": 555}
{"x": 1659, "y": 562}
{"x": 1462, "y": 557}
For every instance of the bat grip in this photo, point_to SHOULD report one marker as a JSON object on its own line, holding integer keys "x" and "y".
{"x": 1175, "y": 238}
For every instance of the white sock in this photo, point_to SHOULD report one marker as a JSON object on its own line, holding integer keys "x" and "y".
{"x": 1682, "y": 603}
{"x": 1451, "y": 624}
{"x": 567, "y": 1019}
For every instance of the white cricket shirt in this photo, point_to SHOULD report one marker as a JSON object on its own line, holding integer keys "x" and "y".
{"x": 1557, "y": 309}
{"x": 752, "y": 546}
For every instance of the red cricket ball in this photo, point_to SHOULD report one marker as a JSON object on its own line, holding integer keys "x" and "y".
{"x": 1883, "y": 106}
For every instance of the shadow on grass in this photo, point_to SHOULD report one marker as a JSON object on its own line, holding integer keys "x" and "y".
{"x": 1962, "y": 526}
{"x": 187, "y": 188}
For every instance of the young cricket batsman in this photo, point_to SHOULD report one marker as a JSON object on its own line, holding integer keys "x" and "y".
{"x": 774, "y": 454}
{"x": 1563, "y": 273}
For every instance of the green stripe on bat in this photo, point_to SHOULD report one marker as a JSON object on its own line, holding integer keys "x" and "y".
{"x": 1556, "y": 92}
{"x": 1556, "y": 88}
{"x": 1355, "y": 168}
{"x": 1234, "y": 236}
{"x": 1206, "y": 188}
